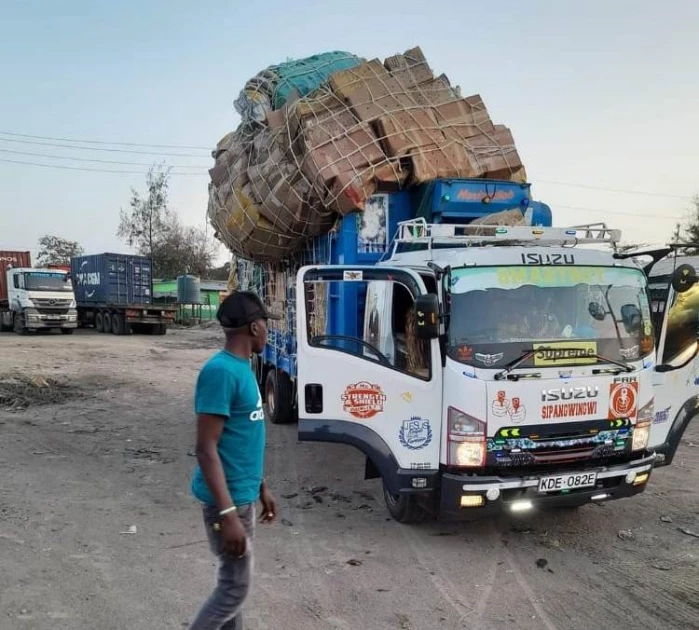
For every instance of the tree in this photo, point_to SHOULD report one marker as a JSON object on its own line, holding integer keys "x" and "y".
{"x": 688, "y": 230}
{"x": 153, "y": 230}
{"x": 54, "y": 250}
{"x": 149, "y": 217}
{"x": 221, "y": 273}
{"x": 183, "y": 249}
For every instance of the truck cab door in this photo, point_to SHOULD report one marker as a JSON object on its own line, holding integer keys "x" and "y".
{"x": 349, "y": 391}
{"x": 676, "y": 379}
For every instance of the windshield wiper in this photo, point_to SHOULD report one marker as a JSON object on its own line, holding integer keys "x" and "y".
{"x": 622, "y": 366}
{"x": 505, "y": 373}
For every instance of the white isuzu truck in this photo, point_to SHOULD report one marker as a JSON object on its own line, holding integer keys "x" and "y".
{"x": 500, "y": 368}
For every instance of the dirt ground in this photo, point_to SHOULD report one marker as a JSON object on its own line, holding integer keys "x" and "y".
{"x": 98, "y": 530}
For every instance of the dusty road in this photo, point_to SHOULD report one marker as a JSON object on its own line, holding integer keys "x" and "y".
{"x": 108, "y": 446}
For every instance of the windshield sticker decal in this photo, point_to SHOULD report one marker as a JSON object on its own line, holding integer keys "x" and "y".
{"x": 465, "y": 353}
{"x": 489, "y": 359}
{"x": 363, "y": 400}
{"x": 622, "y": 400}
{"x": 629, "y": 353}
{"x": 415, "y": 433}
{"x": 549, "y": 276}
{"x": 545, "y": 276}
{"x": 352, "y": 275}
{"x": 502, "y": 407}
{"x": 407, "y": 397}
{"x": 565, "y": 352}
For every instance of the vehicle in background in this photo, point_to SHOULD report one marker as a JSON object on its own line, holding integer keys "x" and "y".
{"x": 33, "y": 299}
{"x": 114, "y": 294}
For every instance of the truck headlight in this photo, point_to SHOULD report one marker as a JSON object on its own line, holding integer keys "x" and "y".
{"x": 641, "y": 432}
{"x": 466, "y": 440}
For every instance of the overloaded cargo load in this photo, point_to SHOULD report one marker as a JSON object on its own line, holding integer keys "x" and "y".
{"x": 319, "y": 136}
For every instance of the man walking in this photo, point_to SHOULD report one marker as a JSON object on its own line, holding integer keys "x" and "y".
{"x": 230, "y": 453}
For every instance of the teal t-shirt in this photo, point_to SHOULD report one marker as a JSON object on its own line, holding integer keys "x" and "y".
{"x": 226, "y": 386}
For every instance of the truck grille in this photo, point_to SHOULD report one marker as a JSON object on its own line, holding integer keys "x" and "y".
{"x": 50, "y": 303}
{"x": 536, "y": 448}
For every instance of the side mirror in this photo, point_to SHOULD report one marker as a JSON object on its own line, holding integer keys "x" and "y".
{"x": 596, "y": 311}
{"x": 427, "y": 312}
{"x": 684, "y": 278}
{"x": 631, "y": 317}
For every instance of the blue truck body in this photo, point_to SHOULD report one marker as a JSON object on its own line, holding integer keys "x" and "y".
{"x": 455, "y": 201}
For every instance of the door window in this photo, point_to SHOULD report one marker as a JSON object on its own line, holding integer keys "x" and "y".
{"x": 682, "y": 324}
{"x": 374, "y": 319}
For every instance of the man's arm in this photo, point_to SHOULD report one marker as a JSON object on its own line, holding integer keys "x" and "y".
{"x": 209, "y": 429}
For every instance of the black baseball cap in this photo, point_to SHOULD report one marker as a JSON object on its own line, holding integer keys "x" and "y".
{"x": 242, "y": 308}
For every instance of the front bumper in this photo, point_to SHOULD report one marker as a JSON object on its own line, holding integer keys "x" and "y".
{"x": 611, "y": 482}
{"x": 41, "y": 321}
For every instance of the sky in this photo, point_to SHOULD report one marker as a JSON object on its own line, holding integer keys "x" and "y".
{"x": 602, "y": 98}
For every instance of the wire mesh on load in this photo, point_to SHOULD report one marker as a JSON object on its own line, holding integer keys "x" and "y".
{"x": 289, "y": 175}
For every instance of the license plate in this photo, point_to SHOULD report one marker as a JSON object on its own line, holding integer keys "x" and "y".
{"x": 572, "y": 481}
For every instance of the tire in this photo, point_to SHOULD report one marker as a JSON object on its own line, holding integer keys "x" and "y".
{"x": 18, "y": 325}
{"x": 106, "y": 322}
{"x": 67, "y": 331}
{"x": 279, "y": 396}
{"x": 118, "y": 327}
{"x": 3, "y": 327}
{"x": 99, "y": 322}
{"x": 160, "y": 329}
{"x": 403, "y": 508}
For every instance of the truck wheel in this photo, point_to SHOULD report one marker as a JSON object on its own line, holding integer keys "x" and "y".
{"x": 404, "y": 508}
{"x": 118, "y": 327}
{"x": 160, "y": 329}
{"x": 67, "y": 331}
{"x": 99, "y": 322}
{"x": 19, "y": 325}
{"x": 279, "y": 396}
{"x": 106, "y": 322}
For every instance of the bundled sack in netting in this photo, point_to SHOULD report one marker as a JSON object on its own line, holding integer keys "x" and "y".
{"x": 331, "y": 140}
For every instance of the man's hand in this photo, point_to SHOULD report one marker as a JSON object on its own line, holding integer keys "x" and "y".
{"x": 233, "y": 536}
{"x": 269, "y": 506}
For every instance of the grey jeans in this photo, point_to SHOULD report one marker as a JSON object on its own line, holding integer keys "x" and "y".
{"x": 222, "y": 611}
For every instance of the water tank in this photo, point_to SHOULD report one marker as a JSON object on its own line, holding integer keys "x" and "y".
{"x": 188, "y": 290}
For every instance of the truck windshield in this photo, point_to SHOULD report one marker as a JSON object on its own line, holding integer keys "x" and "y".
{"x": 568, "y": 314}
{"x": 45, "y": 281}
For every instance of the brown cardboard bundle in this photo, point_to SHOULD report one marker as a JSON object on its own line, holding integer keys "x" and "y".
{"x": 289, "y": 172}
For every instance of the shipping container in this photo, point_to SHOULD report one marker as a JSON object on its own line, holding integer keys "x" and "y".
{"x": 11, "y": 259}
{"x": 113, "y": 279}
{"x": 58, "y": 267}
{"x": 114, "y": 293}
